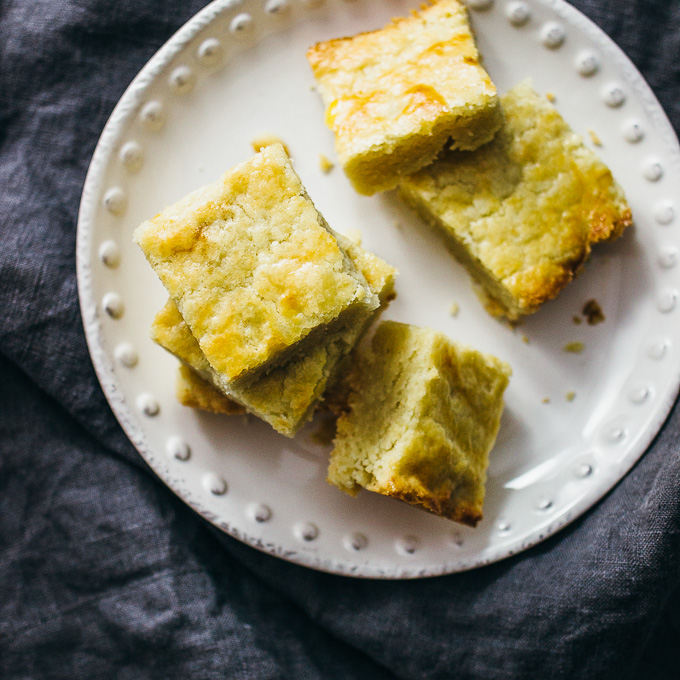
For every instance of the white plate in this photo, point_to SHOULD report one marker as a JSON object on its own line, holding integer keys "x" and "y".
{"x": 237, "y": 70}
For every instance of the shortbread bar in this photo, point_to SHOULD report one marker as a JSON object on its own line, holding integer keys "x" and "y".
{"x": 253, "y": 268}
{"x": 423, "y": 415}
{"x": 286, "y": 396}
{"x": 395, "y": 97}
{"x": 522, "y": 212}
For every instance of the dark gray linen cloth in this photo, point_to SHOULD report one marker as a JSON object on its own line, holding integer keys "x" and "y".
{"x": 104, "y": 573}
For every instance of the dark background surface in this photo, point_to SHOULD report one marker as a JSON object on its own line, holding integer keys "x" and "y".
{"x": 104, "y": 573}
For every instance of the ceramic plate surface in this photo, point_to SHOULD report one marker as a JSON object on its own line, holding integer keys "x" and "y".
{"x": 574, "y": 423}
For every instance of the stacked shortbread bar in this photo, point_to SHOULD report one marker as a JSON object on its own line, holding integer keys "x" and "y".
{"x": 284, "y": 396}
{"x": 265, "y": 299}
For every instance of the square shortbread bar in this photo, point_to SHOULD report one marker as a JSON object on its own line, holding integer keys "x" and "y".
{"x": 253, "y": 268}
{"x": 423, "y": 415}
{"x": 395, "y": 97}
{"x": 284, "y": 397}
{"x": 522, "y": 212}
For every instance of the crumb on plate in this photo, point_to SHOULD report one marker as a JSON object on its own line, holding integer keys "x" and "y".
{"x": 594, "y": 137}
{"x": 574, "y": 347}
{"x": 325, "y": 163}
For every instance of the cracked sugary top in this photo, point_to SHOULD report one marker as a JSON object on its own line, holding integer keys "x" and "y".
{"x": 251, "y": 265}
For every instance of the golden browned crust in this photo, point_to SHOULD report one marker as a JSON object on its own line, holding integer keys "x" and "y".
{"x": 438, "y": 504}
